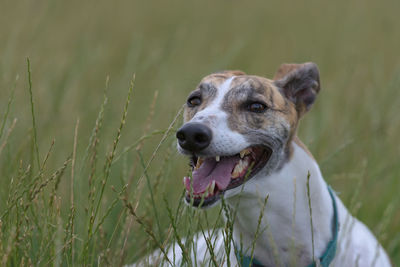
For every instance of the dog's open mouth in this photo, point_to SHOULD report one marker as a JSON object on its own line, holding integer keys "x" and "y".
{"x": 211, "y": 177}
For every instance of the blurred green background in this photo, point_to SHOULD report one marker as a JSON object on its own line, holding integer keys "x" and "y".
{"x": 353, "y": 129}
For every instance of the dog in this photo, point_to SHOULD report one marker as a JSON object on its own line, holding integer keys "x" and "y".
{"x": 239, "y": 132}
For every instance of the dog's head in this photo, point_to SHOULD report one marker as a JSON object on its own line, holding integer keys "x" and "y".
{"x": 238, "y": 125}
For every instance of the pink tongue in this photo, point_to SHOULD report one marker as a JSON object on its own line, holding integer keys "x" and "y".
{"x": 211, "y": 170}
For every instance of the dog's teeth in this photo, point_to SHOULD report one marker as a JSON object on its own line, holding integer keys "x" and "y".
{"x": 237, "y": 170}
{"x": 217, "y": 158}
{"x": 242, "y": 165}
{"x": 212, "y": 187}
{"x": 199, "y": 162}
{"x": 245, "y": 152}
{"x": 235, "y": 174}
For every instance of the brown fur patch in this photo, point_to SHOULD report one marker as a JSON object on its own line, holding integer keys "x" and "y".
{"x": 207, "y": 91}
{"x": 284, "y": 69}
{"x": 231, "y": 72}
{"x": 245, "y": 89}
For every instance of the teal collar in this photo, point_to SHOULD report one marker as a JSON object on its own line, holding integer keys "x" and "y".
{"x": 325, "y": 259}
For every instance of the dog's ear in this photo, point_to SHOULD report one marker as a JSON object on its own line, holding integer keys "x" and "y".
{"x": 299, "y": 83}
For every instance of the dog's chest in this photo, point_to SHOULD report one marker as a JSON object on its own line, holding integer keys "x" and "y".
{"x": 282, "y": 226}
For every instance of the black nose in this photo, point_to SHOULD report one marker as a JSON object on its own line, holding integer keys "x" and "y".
{"x": 194, "y": 136}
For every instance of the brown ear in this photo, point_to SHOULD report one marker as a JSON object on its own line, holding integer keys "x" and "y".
{"x": 299, "y": 83}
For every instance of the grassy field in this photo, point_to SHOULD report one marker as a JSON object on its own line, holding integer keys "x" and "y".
{"x": 88, "y": 166}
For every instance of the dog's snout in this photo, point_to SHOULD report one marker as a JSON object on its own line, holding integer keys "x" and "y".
{"x": 194, "y": 136}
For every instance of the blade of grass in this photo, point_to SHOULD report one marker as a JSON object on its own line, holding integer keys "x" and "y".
{"x": 139, "y": 184}
{"x": 154, "y": 207}
{"x": 8, "y": 135}
{"x": 106, "y": 172}
{"x": 10, "y": 100}
{"x": 72, "y": 185}
{"x": 258, "y": 232}
{"x": 185, "y": 253}
{"x": 148, "y": 230}
{"x": 33, "y": 112}
{"x": 311, "y": 218}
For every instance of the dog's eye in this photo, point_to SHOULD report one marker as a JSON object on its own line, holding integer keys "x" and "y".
{"x": 256, "y": 107}
{"x": 194, "y": 101}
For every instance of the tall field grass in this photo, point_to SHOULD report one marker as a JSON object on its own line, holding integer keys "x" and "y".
{"x": 91, "y": 95}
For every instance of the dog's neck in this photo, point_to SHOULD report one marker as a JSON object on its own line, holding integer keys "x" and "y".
{"x": 281, "y": 239}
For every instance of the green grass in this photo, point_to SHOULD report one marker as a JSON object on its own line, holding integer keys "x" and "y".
{"x": 88, "y": 166}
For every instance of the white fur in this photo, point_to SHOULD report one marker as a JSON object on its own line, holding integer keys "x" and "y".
{"x": 224, "y": 141}
{"x": 356, "y": 245}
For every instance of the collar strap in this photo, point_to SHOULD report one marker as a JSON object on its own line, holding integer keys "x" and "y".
{"x": 324, "y": 260}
